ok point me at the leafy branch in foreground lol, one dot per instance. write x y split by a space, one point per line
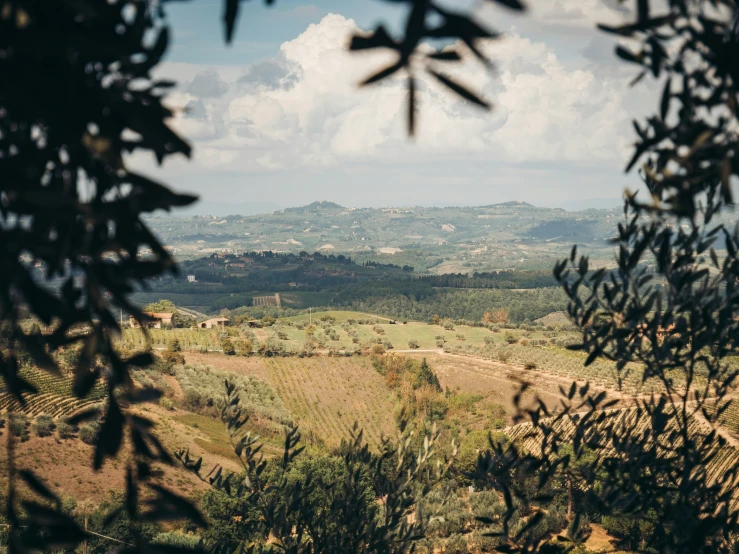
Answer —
429 21
76 97
671 305
315 514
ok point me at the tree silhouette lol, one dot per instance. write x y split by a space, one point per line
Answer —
671 305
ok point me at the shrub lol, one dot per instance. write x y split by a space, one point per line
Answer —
510 338
379 330
273 347
173 357
64 430
193 398
166 403
456 544
489 341
88 432
529 365
413 343
306 351
44 426
377 349
228 347
461 337
245 347
175 346
17 424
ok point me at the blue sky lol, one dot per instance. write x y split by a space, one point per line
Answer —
277 116
198 31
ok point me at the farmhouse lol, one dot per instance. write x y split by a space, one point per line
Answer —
213 322
157 319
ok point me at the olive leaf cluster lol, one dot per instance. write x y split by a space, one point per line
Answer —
427 22
670 305
76 97
688 148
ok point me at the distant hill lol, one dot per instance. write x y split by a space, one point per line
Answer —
322 205
453 239
511 204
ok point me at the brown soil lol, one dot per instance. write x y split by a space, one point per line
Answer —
66 465
327 395
600 541
496 382
234 364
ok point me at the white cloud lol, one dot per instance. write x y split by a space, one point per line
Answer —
302 108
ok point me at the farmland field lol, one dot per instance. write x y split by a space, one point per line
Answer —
324 395
327 395
190 339
55 396
339 315
568 365
497 383
398 334
338 334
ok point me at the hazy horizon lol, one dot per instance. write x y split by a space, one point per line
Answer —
220 209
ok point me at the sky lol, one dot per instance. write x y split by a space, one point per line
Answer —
277 117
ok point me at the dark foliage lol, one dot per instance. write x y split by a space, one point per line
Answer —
656 462
76 95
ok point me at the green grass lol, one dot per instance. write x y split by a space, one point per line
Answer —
217 442
398 334
426 335
217 438
339 315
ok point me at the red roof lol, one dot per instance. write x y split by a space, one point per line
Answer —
159 315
